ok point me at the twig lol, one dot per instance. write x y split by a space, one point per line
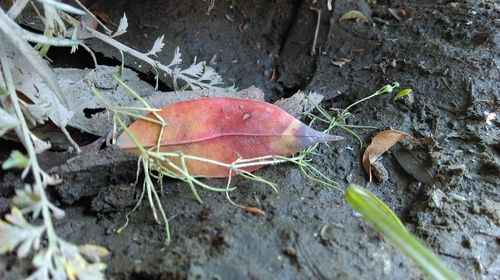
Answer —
89 13
316 31
16 8
210 7
24 135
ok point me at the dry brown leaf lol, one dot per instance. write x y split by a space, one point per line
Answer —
256 211
103 16
382 142
354 15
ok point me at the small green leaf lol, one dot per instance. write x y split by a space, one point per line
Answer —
157 46
402 93
4 91
92 252
387 88
28 201
16 232
122 27
16 160
386 222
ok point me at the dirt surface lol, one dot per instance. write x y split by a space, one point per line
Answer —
447 52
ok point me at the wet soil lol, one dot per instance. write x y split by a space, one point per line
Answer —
447 52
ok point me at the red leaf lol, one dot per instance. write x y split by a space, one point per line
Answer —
224 129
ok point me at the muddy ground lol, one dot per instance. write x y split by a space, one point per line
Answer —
447 52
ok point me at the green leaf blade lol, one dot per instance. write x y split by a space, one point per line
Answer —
403 93
386 222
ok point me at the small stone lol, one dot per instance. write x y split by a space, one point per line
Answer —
436 199
491 208
290 251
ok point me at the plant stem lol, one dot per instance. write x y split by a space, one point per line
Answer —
153 63
25 136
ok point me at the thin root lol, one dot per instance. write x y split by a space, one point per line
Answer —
316 30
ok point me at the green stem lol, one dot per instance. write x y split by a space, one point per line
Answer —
138 97
124 108
137 116
153 63
119 120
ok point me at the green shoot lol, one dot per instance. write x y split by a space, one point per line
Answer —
333 122
339 120
402 93
381 217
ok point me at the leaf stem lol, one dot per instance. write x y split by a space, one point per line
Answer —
153 63
24 133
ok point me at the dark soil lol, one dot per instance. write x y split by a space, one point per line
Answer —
447 52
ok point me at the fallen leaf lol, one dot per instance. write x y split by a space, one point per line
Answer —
256 211
103 16
344 59
382 142
81 33
224 130
418 164
353 15
300 103
30 72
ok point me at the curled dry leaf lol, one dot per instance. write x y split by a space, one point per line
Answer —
224 130
353 15
382 142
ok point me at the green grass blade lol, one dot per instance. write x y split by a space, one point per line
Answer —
387 223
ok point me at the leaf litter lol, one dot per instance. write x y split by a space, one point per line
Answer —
353 15
381 143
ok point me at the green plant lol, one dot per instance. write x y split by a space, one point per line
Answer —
59 257
381 217
20 62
